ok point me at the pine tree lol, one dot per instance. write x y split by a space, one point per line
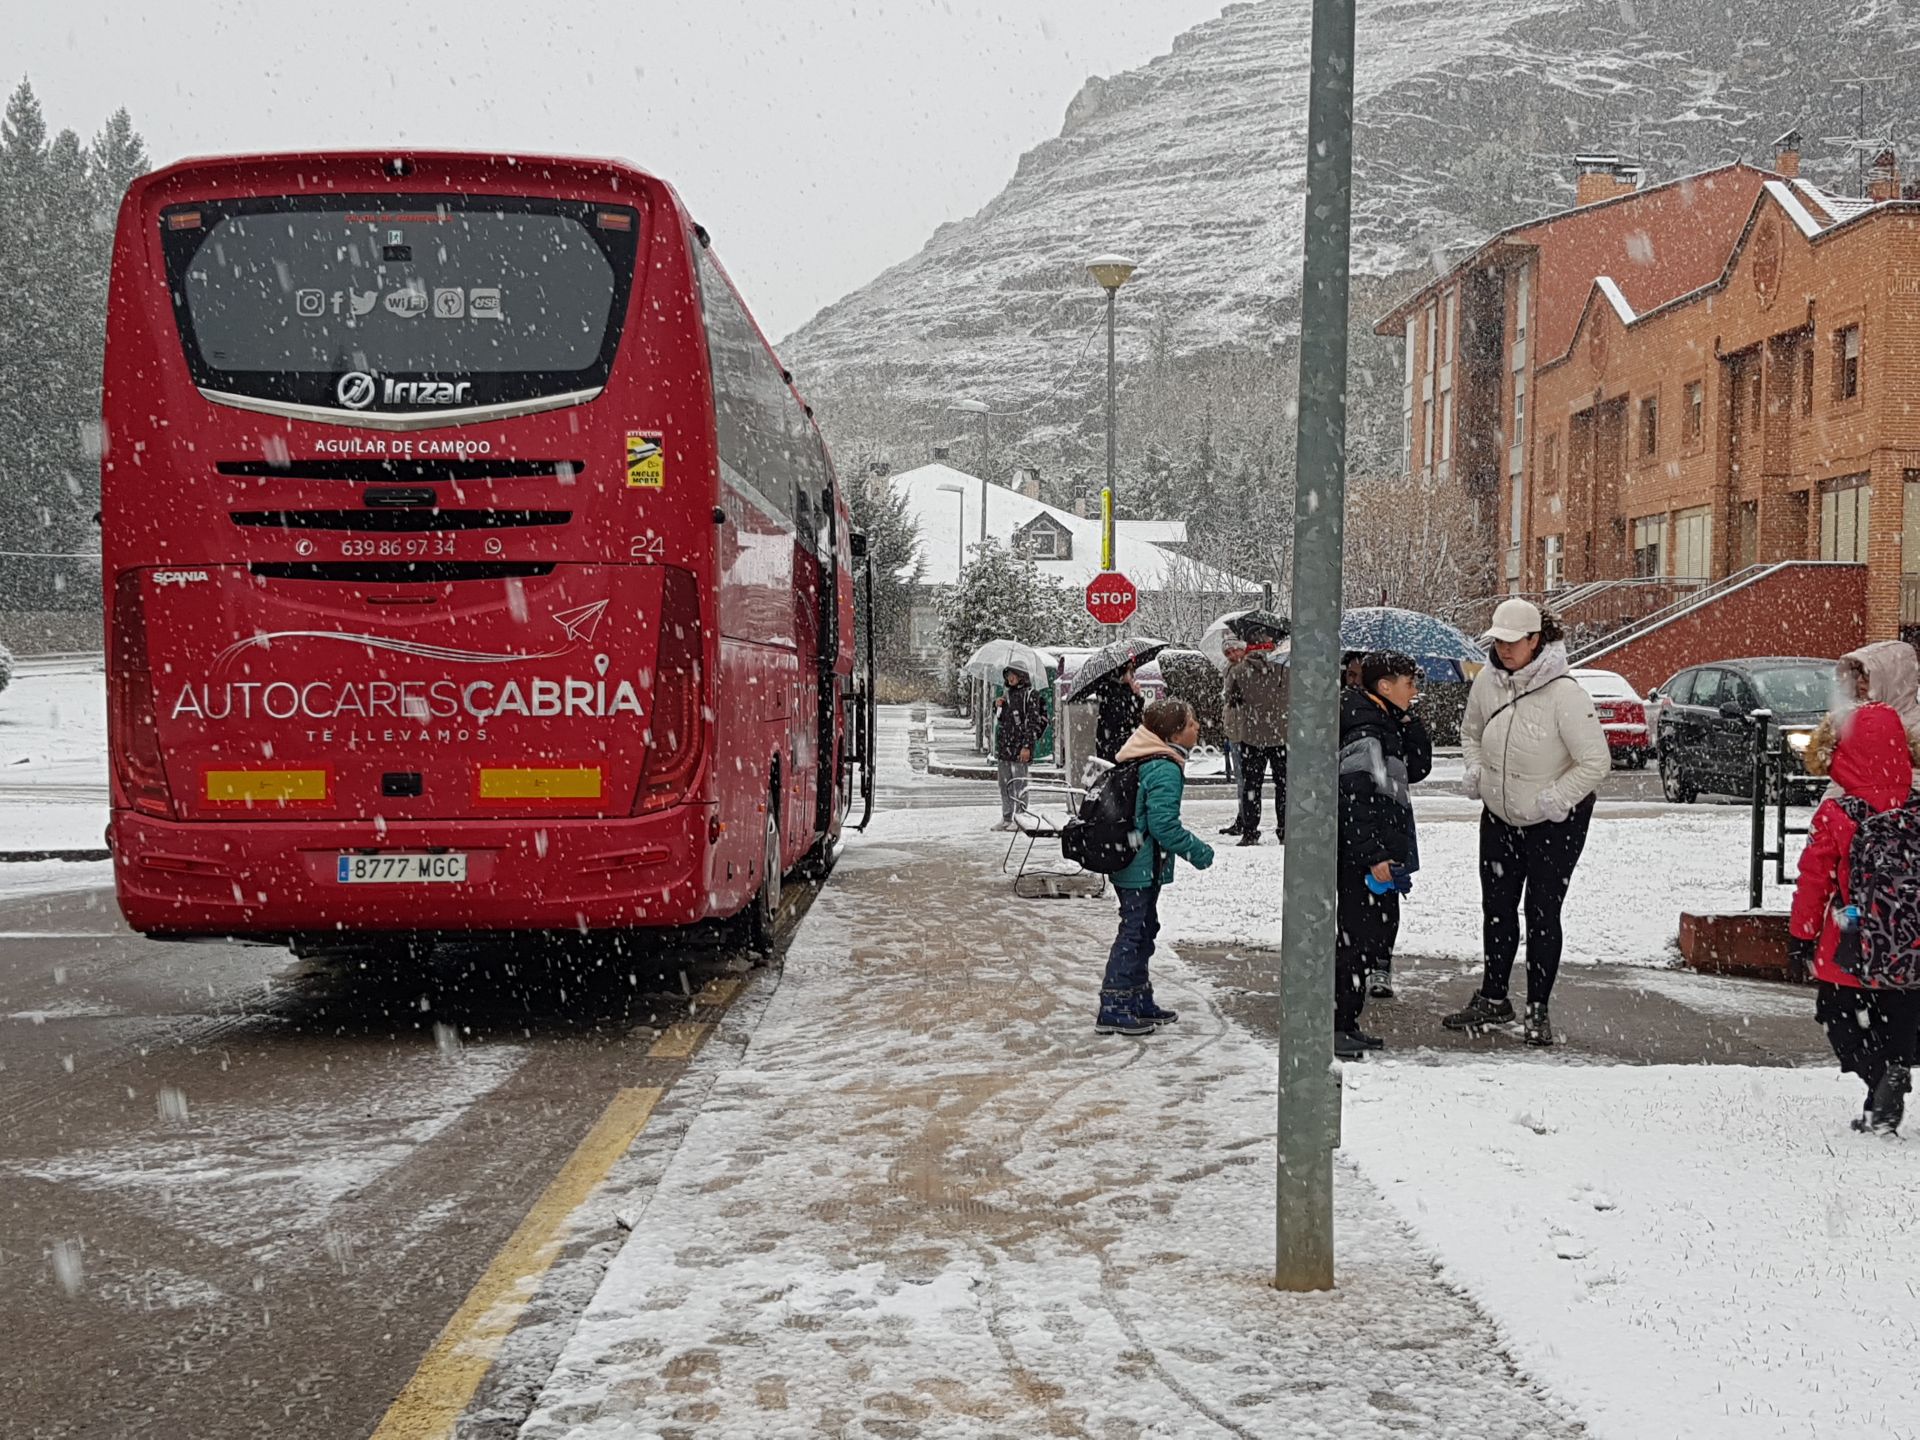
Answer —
59 198
1000 595
893 539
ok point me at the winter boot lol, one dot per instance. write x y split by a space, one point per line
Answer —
1147 1009
1380 985
1351 1045
1480 1012
1233 829
1890 1099
1539 1029
1252 837
1120 1014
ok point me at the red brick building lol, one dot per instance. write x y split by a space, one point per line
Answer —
1683 381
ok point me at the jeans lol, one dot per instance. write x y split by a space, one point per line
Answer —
1013 787
1535 862
1254 760
1126 979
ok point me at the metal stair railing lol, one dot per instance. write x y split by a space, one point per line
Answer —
1706 595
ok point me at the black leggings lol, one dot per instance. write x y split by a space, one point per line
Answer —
1535 861
1870 1029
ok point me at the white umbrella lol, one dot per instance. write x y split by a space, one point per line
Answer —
997 655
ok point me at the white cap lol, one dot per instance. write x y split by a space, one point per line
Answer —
1513 620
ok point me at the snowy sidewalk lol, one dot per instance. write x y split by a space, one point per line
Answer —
932 1203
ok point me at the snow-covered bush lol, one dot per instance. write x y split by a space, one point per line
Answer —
6 666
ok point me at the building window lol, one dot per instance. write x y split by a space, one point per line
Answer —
1693 543
1520 417
1846 358
1696 413
1447 324
1650 545
1753 396
1806 377
1517 529
1650 426
1552 561
1043 544
1748 536
1521 306
1550 461
1426 434
1446 426
1845 508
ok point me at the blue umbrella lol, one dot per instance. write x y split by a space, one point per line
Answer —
1424 637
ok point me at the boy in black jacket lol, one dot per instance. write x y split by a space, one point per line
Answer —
1384 748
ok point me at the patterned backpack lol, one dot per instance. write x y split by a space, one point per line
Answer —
1883 883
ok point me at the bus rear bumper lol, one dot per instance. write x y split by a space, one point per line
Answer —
282 878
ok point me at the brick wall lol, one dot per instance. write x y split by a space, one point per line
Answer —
1806 609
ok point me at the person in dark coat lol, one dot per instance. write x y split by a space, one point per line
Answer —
1255 698
1020 722
1121 703
1384 749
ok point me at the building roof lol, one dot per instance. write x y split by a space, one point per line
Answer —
1809 209
938 514
1655 244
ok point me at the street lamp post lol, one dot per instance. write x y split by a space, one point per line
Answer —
984 411
1111 271
1309 1089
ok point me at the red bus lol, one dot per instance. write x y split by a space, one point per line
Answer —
471 563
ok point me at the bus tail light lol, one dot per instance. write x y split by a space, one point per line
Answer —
136 722
674 735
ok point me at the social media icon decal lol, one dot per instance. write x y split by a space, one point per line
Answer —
483 302
407 303
310 302
450 304
362 303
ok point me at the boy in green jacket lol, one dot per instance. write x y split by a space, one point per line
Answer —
1168 730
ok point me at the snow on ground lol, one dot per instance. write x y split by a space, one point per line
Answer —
1638 872
1700 1252
929 1201
53 760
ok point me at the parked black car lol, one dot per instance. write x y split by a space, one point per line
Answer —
1705 738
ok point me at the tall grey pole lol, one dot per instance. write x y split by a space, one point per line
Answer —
1106 535
984 415
1309 1104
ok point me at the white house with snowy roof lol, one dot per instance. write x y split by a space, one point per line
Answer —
1177 593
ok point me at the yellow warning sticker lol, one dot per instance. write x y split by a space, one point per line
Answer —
646 459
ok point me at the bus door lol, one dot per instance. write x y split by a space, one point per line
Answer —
826 545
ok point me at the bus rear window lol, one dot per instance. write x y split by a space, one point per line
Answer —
384 303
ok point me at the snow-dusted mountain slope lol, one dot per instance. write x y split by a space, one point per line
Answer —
1468 112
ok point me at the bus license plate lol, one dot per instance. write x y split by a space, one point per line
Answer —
402 869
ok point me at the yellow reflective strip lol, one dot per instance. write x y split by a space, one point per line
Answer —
266 785
573 784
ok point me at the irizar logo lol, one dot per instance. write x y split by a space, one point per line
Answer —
357 390
426 392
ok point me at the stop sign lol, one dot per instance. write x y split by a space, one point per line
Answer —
1110 598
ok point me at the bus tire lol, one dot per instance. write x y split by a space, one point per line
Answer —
763 911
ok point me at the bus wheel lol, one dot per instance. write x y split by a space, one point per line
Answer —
764 909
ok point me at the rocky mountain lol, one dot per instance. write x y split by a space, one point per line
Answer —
1467 114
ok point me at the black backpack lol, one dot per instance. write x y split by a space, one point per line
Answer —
1103 837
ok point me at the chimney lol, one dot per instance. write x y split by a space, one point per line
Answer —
1083 506
1027 482
1604 177
1786 155
940 453
1883 177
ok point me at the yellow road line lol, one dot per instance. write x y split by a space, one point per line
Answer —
678 1040
444 1385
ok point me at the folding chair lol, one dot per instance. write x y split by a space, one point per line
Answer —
1031 825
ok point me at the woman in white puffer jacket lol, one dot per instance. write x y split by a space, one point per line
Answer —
1535 755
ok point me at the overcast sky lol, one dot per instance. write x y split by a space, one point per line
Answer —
820 143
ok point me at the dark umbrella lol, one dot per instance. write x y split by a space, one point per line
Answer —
1111 660
1424 637
1241 625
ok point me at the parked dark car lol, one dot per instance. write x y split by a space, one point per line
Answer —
1705 739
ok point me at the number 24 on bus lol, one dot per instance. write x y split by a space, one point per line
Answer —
1111 598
